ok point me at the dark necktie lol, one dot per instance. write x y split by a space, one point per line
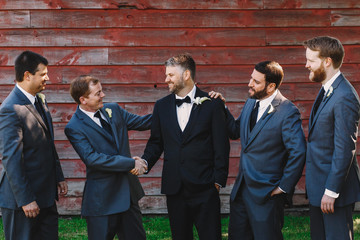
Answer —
179 102
254 114
317 102
39 108
105 125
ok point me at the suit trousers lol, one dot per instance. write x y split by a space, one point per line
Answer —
250 220
126 225
338 225
18 227
201 209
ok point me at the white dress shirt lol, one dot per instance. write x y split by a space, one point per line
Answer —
264 104
183 112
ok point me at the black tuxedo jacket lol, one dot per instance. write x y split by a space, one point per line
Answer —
198 157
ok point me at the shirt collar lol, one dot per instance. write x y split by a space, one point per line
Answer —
191 94
265 102
328 84
28 95
90 114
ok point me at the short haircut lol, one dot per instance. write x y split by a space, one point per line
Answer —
79 87
28 61
185 61
273 72
327 47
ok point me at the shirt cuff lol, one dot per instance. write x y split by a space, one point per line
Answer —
281 190
218 185
331 193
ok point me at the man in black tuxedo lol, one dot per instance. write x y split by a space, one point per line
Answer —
190 129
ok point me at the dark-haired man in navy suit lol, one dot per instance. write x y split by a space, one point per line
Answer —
272 157
332 171
190 129
32 171
99 134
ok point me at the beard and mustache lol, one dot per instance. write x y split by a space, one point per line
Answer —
319 75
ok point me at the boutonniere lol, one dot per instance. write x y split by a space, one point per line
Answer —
200 100
330 91
272 109
109 112
42 97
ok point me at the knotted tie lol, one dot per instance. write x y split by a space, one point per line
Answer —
40 109
179 102
105 125
254 114
317 102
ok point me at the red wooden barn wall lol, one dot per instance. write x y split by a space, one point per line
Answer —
126 43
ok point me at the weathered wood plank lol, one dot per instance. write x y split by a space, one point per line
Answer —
14 19
59 56
130 4
296 36
345 18
132 37
185 4
179 18
205 74
157 56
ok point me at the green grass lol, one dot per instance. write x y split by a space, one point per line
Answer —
157 228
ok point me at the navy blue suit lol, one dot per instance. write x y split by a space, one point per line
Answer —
110 188
272 155
331 154
31 165
194 160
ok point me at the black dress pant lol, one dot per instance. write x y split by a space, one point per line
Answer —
201 209
18 227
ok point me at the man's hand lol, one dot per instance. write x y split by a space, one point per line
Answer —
217 187
31 210
214 94
62 188
140 166
276 191
327 204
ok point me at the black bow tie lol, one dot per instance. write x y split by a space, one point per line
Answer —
179 102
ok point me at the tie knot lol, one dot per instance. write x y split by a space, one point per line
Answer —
257 104
179 102
97 114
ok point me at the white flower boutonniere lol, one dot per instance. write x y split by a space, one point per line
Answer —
330 91
109 112
200 100
42 97
271 109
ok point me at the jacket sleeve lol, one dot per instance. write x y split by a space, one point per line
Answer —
11 149
155 145
346 117
93 159
221 143
295 144
136 122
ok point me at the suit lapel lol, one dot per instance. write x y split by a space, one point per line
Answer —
193 114
173 116
48 118
269 112
323 103
89 122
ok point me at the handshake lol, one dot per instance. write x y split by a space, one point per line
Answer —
140 166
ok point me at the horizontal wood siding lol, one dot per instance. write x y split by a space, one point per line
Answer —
126 43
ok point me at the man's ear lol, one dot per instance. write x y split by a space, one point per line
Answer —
186 75
328 62
26 76
82 100
271 87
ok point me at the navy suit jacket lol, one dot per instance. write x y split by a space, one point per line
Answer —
196 158
331 153
273 153
109 186
31 165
